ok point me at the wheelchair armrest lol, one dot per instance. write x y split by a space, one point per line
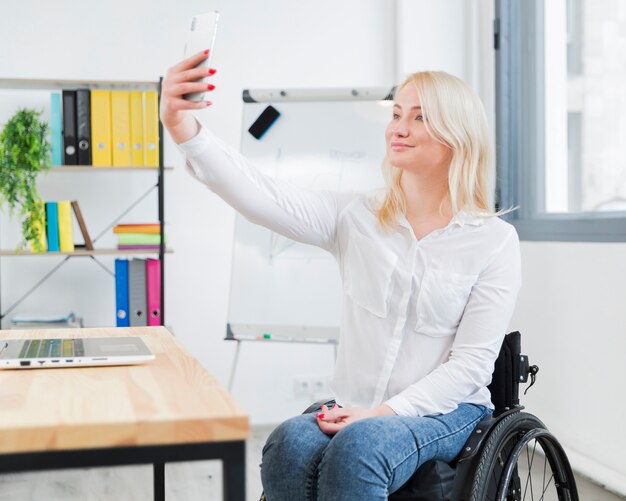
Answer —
475 441
317 405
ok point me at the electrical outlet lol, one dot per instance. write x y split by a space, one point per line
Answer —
319 387
302 387
310 387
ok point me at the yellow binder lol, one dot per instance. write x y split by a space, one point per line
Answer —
120 127
41 230
101 128
136 129
66 238
151 127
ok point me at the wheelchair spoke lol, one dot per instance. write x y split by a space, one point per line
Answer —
546 487
545 464
530 469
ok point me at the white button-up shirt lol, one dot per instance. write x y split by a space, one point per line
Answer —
422 320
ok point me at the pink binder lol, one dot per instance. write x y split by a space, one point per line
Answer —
153 284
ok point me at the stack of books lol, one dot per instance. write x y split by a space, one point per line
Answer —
46 322
56 234
138 236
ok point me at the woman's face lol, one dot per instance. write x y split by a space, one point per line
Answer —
409 145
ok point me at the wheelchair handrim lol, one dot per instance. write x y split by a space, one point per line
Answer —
555 455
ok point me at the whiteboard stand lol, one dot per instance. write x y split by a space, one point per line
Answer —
276 334
323 139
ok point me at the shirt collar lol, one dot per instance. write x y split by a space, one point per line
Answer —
463 218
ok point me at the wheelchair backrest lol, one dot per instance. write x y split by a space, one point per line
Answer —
504 386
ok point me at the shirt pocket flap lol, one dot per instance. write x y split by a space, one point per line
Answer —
442 299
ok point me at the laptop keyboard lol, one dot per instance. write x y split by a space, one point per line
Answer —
51 348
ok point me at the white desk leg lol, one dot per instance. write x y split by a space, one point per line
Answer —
232 371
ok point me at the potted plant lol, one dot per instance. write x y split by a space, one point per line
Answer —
24 153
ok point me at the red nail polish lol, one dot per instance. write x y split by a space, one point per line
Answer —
211 87
206 52
212 71
320 416
209 103
334 405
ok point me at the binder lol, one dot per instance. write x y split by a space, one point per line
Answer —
153 282
121 293
40 227
56 129
83 126
52 226
66 239
136 129
82 225
101 128
120 127
151 128
137 302
69 128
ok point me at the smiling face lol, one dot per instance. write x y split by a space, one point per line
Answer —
409 145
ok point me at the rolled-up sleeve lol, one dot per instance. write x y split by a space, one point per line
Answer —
305 215
477 341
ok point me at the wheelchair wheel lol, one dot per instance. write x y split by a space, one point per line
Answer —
522 460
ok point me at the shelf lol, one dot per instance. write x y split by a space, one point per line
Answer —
83 252
90 168
60 84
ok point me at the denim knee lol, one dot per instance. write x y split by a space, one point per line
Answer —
295 441
361 443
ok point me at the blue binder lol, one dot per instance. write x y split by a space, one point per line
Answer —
121 292
52 226
56 129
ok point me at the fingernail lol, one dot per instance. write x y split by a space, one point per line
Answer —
209 103
212 71
320 416
211 87
334 405
206 52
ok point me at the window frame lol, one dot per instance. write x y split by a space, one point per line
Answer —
520 133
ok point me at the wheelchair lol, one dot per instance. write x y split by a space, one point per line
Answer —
510 456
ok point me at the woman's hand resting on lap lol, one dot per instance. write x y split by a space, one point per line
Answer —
337 418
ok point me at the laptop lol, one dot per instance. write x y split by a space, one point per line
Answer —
84 352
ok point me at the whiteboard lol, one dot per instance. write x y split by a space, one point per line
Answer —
284 288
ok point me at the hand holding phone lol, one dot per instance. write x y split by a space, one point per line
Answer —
201 36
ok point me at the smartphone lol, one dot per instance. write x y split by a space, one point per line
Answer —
201 36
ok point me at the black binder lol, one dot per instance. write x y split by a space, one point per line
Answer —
70 156
83 126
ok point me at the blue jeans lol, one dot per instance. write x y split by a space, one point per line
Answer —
368 459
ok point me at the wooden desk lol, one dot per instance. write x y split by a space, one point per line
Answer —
167 410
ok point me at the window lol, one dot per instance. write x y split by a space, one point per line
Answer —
561 117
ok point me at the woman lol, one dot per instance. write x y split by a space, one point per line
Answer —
430 278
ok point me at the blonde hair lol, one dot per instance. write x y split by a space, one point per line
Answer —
455 116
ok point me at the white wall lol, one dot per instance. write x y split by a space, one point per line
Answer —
571 315
571 306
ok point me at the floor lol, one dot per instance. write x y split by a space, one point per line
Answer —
198 481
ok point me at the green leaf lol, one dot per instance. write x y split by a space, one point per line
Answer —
24 154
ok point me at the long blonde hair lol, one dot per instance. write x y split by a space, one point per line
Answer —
455 116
